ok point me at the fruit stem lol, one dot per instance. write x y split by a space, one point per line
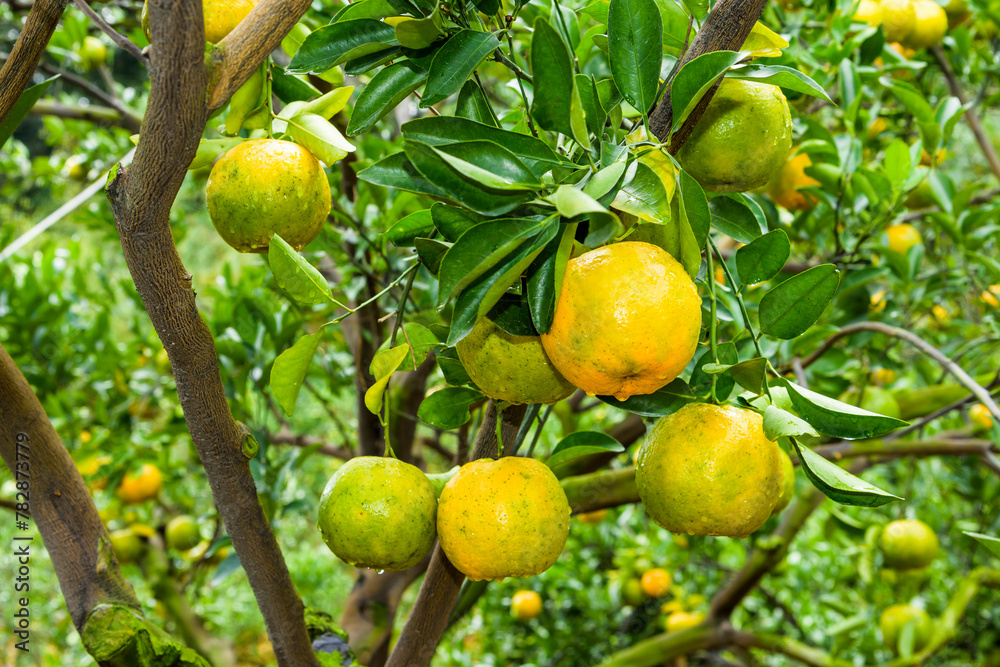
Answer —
538 431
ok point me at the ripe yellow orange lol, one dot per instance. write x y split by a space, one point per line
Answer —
895 618
940 314
742 139
222 16
930 26
682 620
504 518
870 12
264 187
980 416
655 583
784 187
877 127
709 470
883 376
989 296
511 368
877 302
670 607
526 605
902 237
898 19
788 486
142 486
627 320
908 544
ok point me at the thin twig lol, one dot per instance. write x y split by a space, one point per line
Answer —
121 40
91 90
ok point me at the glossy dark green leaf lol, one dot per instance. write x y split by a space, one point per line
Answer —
734 219
365 9
451 367
406 230
420 339
790 308
473 105
545 278
488 7
594 114
553 73
420 33
695 220
431 252
911 98
448 408
762 258
643 195
779 75
368 62
635 46
452 221
457 185
290 88
701 379
695 78
480 249
337 43
513 314
582 443
837 419
397 172
386 89
441 130
289 371
839 485
664 401
454 63
22 107
489 164
483 293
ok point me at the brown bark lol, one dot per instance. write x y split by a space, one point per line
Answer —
141 197
725 29
20 64
439 591
60 505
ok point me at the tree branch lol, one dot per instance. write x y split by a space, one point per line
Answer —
121 40
93 91
244 49
20 64
92 114
772 643
439 591
971 117
141 197
726 27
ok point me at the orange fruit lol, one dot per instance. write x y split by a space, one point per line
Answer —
902 237
264 187
896 617
526 605
183 533
989 296
682 620
980 416
142 486
655 583
627 320
868 11
908 544
788 487
930 26
784 187
222 16
898 19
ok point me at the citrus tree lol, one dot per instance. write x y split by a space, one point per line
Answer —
721 272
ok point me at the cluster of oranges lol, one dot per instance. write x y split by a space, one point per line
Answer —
907 545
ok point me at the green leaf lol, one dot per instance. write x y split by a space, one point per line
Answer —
734 219
383 366
749 374
839 420
320 137
368 62
337 43
571 202
484 292
695 78
763 258
448 408
605 180
779 75
473 105
643 195
300 279
838 484
420 340
398 173
545 278
454 63
553 73
513 314
912 99
489 164
431 253
289 371
291 87
635 46
383 93
790 308
420 33
478 250
579 444
210 149
22 107
442 130
781 423
453 221
405 231
694 222
897 164
664 401
991 543
458 185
